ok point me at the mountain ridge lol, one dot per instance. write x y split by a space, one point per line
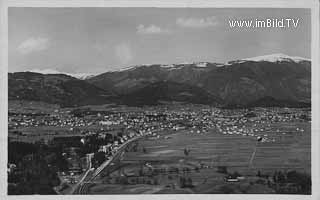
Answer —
54 88
240 82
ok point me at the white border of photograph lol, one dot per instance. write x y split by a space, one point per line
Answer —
312 4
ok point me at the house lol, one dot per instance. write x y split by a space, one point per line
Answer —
231 178
105 148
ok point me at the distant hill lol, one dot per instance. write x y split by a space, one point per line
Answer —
238 82
55 88
271 80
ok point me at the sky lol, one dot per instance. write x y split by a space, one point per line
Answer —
96 40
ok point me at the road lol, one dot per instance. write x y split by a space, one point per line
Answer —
83 186
82 179
253 154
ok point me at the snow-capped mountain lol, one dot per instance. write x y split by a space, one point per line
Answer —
165 66
279 57
276 58
81 76
238 82
262 80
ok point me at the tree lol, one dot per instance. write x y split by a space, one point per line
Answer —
123 180
189 182
186 151
222 169
119 134
155 181
36 178
302 181
274 177
281 177
98 158
292 182
236 174
227 189
259 173
144 150
182 182
140 172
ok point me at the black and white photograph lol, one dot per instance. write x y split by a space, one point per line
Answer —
160 100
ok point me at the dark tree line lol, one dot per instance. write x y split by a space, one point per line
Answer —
37 167
292 182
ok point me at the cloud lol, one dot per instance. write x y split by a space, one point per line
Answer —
33 44
197 22
152 29
123 53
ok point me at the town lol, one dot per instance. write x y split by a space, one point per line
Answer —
72 144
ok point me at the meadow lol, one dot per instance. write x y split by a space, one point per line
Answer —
287 149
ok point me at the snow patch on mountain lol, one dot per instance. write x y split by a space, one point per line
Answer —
279 57
276 58
201 64
81 76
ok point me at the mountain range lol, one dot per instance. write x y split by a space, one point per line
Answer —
271 80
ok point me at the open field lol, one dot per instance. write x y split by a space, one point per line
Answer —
290 150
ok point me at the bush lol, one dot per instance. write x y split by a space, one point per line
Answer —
98 158
185 182
260 181
222 169
236 174
189 182
123 180
227 189
155 181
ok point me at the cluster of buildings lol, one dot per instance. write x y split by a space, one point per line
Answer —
111 129
261 123
151 119
39 120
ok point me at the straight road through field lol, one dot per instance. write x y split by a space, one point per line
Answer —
253 155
